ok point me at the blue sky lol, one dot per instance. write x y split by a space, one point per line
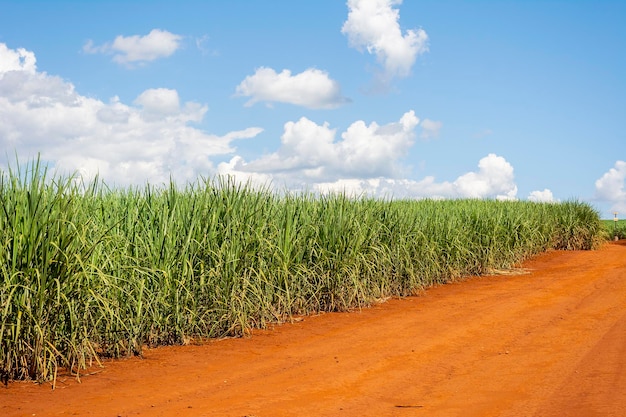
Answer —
442 99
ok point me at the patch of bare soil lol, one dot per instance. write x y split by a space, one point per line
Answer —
550 342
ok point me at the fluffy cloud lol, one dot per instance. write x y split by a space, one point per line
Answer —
128 50
544 196
374 25
366 160
373 150
311 88
494 179
611 187
153 139
16 60
148 140
309 153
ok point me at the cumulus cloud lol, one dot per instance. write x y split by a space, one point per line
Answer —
150 139
544 196
16 60
611 187
153 139
373 25
373 150
311 88
494 179
310 153
367 159
136 49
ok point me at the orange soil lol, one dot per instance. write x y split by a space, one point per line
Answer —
548 343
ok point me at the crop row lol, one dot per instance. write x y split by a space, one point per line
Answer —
87 271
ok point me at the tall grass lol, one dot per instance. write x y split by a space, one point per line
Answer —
614 228
88 272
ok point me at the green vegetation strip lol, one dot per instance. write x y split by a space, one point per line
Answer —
88 272
615 228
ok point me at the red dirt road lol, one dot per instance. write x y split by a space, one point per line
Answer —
548 343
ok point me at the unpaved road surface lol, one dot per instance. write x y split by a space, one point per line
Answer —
548 343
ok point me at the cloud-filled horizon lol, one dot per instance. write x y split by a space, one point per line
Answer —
288 135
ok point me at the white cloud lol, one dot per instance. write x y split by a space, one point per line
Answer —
237 169
366 160
16 60
374 25
430 129
128 50
311 88
309 152
148 140
611 187
159 100
373 150
544 196
493 179
152 139
351 186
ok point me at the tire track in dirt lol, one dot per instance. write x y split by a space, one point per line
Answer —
548 343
